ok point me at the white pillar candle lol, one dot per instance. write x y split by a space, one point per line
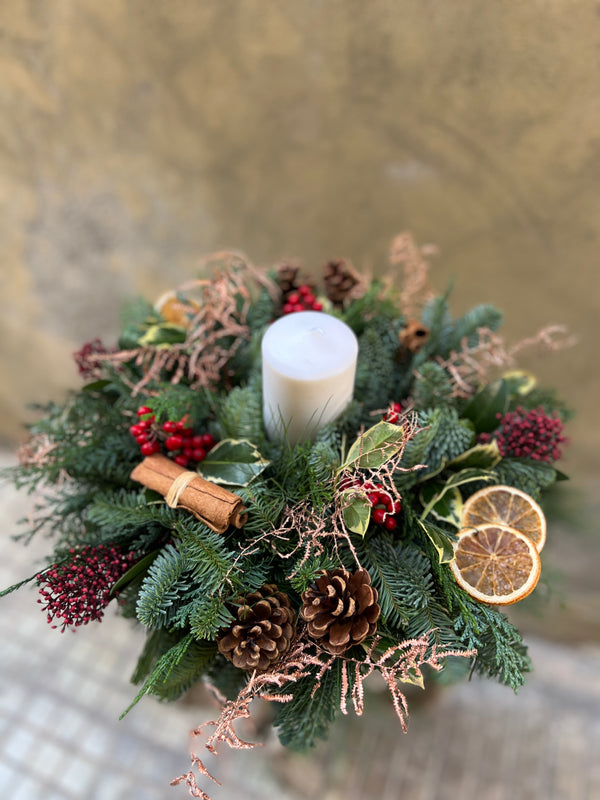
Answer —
308 368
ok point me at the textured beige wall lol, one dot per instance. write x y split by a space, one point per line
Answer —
136 135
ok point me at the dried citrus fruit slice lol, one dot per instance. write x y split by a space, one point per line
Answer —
506 505
495 564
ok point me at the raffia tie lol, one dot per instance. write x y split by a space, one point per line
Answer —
178 486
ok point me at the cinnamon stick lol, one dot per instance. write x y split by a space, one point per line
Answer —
214 505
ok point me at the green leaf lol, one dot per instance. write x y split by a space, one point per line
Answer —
234 462
375 446
134 571
441 540
96 386
357 515
447 503
484 407
483 456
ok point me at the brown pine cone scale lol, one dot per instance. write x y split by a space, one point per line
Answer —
262 631
341 609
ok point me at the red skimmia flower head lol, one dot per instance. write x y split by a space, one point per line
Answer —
79 590
528 434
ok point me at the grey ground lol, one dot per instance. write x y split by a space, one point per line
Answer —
60 737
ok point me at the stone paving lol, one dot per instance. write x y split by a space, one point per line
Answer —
61 739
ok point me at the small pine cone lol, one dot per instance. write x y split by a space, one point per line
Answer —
413 336
341 609
263 629
341 280
287 278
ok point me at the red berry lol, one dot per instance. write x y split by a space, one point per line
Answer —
187 451
309 299
317 306
298 307
207 441
181 460
198 440
373 498
393 413
141 438
390 523
288 308
174 441
136 430
169 426
379 515
143 410
144 424
149 448
305 289
187 433
293 299
198 454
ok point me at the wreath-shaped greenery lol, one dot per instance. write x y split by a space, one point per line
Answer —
357 525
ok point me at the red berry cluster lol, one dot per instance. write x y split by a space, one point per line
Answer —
385 508
78 592
393 413
528 434
182 444
301 300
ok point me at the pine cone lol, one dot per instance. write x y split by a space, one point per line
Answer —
263 629
287 278
340 279
413 336
341 609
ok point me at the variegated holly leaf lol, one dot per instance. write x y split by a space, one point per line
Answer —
375 446
481 456
441 540
162 335
450 486
447 503
233 462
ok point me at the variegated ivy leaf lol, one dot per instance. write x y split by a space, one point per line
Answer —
357 513
375 446
447 503
233 462
441 540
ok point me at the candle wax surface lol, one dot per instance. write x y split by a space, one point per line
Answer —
309 363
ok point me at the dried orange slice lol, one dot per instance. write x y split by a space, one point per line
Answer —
495 564
506 505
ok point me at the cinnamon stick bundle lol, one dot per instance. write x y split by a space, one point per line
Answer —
215 506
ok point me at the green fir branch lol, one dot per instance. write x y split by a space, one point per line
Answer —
307 716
